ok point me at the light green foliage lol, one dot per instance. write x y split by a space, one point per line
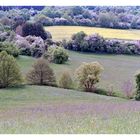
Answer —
108 20
41 74
57 55
137 96
9 71
65 80
10 48
88 74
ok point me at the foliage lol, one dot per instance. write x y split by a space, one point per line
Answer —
46 21
127 88
9 71
56 54
30 45
35 29
65 80
108 20
1 27
61 21
106 16
97 44
77 10
10 48
4 36
88 74
41 74
137 96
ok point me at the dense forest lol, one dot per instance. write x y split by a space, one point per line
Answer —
109 17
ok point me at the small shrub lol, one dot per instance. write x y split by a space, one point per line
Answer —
110 91
137 96
41 74
88 74
56 55
65 80
127 88
9 71
10 48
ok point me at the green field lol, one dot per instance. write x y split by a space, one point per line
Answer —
34 109
40 109
117 68
65 32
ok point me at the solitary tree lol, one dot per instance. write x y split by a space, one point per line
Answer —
41 74
88 74
10 74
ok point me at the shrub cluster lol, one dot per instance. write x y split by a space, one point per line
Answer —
97 44
10 48
56 54
35 29
30 45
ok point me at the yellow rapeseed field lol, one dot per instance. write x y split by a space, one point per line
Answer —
65 32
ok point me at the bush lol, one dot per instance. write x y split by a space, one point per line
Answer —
56 55
88 74
61 21
10 48
1 27
5 21
65 80
127 89
108 20
41 74
77 10
37 46
95 43
84 22
4 36
9 71
30 45
35 29
46 21
137 96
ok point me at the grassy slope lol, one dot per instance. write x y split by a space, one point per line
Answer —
34 109
117 68
61 32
